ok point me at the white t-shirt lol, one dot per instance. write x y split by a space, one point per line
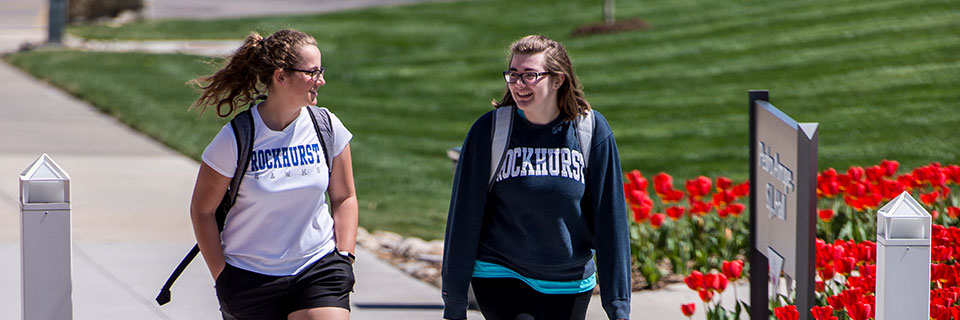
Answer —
280 223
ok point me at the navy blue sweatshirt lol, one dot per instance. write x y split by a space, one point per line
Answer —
545 215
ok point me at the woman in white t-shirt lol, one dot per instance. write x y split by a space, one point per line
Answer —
283 254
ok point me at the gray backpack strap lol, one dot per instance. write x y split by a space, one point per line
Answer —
585 134
243 131
502 128
324 128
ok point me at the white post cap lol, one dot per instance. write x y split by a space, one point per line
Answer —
44 182
903 222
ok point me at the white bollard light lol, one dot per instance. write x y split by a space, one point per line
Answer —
45 242
903 260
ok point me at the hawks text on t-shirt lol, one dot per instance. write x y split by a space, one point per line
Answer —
285 157
554 162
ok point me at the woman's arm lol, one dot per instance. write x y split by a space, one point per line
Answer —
207 194
611 228
343 201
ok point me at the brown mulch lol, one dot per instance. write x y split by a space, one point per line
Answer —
604 28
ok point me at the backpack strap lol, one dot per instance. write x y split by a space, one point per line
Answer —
585 124
243 131
324 128
500 133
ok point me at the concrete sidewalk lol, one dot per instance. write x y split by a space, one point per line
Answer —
131 197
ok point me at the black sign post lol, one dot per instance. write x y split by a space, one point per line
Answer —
783 193
57 21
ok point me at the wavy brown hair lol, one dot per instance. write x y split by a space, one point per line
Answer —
570 96
248 71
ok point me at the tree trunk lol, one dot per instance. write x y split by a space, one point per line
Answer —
608 12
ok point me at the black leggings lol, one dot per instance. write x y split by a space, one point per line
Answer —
513 299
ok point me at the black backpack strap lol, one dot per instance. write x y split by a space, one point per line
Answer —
243 131
324 128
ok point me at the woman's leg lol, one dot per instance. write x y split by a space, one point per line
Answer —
325 313
322 291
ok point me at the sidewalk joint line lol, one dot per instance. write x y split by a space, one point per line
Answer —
149 303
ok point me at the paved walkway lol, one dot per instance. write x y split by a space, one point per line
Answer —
131 197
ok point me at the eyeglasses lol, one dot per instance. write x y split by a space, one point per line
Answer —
528 77
314 74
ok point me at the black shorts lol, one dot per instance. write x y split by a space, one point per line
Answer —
249 295
513 299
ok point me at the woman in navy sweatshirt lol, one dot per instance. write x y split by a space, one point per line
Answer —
524 228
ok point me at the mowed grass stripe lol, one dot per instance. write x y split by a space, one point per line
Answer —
879 77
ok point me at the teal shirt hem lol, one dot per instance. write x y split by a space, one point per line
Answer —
483 269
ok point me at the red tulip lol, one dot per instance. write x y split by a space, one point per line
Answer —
939 312
694 281
859 311
835 301
715 282
953 212
786 313
733 269
940 253
857 189
830 173
742 190
889 167
698 187
850 297
735 209
636 196
722 198
953 172
937 178
823 313
874 173
656 220
825 214
637 180
699 207
662 183
856 173
706 295
688 309
673 196
724 183
828 187
675 212
827 272
819 286
908 181
929 198
640 213
845 265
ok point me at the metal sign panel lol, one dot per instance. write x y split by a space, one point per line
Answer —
776 203
783 178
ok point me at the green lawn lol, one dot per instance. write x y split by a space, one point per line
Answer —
881 77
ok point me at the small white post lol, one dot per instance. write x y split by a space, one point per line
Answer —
45 242
903 260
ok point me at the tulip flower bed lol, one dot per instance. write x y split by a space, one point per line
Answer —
707 216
